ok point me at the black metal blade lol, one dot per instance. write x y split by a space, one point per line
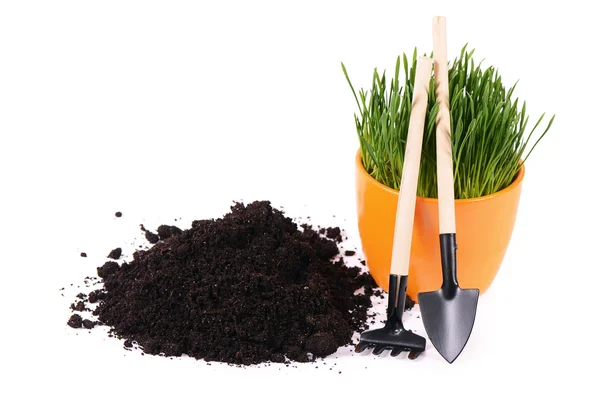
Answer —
449 319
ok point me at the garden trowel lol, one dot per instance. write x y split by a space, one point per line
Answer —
448 313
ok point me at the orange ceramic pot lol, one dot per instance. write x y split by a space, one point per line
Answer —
484 227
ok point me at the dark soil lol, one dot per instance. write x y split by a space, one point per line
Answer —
151 237
75 321
107 269
83 255
79 306
165 231
334 233
89 324
118 214
96 296
115 254
247 288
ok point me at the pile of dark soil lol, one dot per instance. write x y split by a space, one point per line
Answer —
247 288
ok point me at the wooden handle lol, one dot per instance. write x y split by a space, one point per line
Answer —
445 176
407 196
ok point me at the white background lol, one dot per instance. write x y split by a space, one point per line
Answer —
173 109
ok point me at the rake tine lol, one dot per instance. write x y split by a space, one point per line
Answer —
396 351
413 355
379 349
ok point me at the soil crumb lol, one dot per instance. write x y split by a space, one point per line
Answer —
166 231
96 296
115 254
79 306
75 321
334 233
151 237
89 324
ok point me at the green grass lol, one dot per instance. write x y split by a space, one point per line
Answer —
489 138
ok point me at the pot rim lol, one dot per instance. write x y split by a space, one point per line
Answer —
516 182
